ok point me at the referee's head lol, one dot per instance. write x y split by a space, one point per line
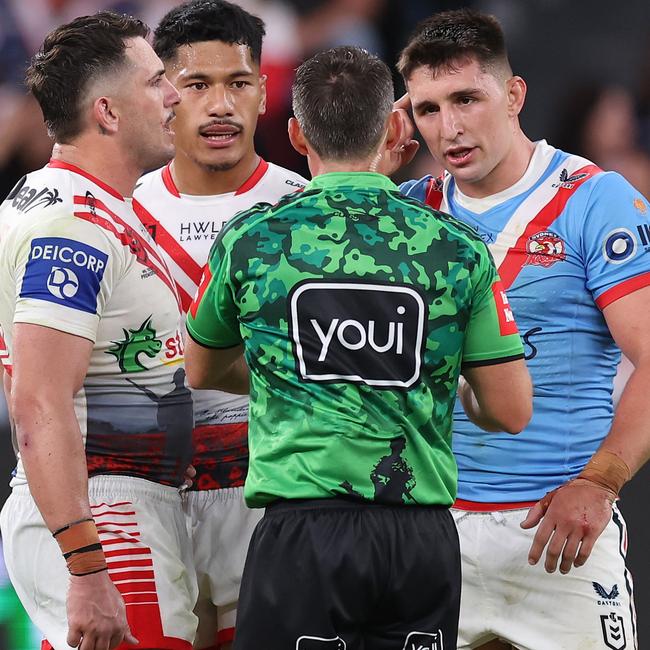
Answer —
342 102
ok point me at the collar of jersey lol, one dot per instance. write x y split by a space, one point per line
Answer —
539 162
359 180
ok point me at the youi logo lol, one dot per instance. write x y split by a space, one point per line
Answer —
64 271
361 333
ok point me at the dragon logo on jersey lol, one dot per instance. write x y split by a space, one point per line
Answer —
567 182
545 249
613 631
136 342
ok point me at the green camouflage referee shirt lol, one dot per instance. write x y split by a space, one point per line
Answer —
357 308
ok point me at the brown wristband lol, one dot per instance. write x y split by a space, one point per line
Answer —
607 470
81 548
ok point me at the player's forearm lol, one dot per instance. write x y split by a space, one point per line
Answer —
52 452
629 437
233 378
218 369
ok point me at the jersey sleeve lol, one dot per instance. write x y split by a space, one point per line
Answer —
64 269
415 189
491 336
615 239
212 317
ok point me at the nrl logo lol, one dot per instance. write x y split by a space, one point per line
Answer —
568 182
136 342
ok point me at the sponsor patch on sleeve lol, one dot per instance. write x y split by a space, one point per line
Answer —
65 272
507 324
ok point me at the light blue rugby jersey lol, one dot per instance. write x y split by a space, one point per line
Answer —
568 239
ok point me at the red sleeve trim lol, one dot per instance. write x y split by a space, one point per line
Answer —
623 289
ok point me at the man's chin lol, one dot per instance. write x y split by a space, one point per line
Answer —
223 165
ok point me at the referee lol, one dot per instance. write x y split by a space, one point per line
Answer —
351 311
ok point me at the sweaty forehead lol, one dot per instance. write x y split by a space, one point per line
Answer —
451 77
142 56
213 58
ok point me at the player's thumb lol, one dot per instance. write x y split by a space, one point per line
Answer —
129 638
74 637
533 517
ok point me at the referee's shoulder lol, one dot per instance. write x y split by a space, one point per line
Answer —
451 224
246 219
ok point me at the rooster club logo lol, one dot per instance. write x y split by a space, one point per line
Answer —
545 249
360 333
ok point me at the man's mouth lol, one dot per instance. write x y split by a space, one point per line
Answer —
220 133
458 155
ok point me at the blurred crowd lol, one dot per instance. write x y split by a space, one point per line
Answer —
606 122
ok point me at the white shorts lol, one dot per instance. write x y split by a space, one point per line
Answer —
221 526
144 537
504 597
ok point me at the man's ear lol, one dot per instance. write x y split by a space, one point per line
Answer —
516 91
262 107
105 115
297 137
396 131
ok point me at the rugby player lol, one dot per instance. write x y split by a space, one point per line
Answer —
94 535
212 50
571 244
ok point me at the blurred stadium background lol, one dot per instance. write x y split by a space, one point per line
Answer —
587 64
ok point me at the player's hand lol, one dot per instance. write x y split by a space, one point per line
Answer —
96 614
405 149
572 518
190 475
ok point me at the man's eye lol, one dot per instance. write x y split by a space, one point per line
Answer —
198 85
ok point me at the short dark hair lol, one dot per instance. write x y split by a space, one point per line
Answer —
72 56
451 36
208 20
342 99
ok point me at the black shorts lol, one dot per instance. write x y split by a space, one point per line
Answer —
332 574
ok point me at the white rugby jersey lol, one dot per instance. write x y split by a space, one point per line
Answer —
185 227
74 257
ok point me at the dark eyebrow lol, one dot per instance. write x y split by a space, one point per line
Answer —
157 74
464 92
202 76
